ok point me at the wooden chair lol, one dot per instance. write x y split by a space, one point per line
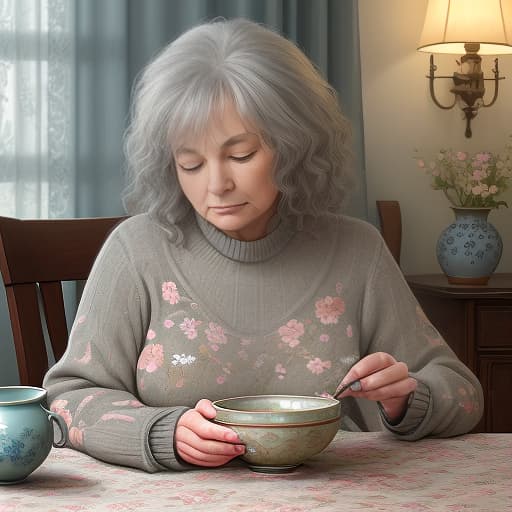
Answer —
39 255
391 226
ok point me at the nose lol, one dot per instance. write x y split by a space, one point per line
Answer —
219 178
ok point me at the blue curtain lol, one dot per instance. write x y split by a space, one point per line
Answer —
113 40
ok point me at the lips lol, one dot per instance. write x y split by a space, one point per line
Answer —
227 208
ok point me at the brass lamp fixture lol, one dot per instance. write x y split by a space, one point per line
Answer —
476 27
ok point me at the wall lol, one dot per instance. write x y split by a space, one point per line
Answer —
400 116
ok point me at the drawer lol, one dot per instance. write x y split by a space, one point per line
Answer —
494 324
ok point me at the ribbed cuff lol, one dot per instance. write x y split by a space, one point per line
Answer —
414 415
161 442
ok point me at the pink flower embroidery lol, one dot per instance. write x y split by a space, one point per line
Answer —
324 338
128 403
215 333
151 358
280 370
291 332
59 407
86 358
329 309
76 437
170 292
189 327
168 324
221 379
83 403
115 416
317 366
349 331
151 335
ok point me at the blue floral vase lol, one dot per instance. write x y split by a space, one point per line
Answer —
469 249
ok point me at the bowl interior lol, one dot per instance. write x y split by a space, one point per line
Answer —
280 403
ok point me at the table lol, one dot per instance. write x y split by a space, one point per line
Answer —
357 471
476 321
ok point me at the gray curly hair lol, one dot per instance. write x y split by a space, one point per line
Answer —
273 85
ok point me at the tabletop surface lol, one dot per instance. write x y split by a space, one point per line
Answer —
357 471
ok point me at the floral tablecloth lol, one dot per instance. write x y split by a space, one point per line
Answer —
358 471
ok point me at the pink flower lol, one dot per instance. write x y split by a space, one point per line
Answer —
483 157
479 174
170 292
324 338
291 332
280 370
81 319
461 156
168 324
215 333
115 416
493 189
151 358
317 366
221 379
189 327
329 309
128 403
421 164
86 358
76 437
151 335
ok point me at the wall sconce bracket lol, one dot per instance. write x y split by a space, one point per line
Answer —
468 86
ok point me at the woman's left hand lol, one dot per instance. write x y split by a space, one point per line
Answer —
382 379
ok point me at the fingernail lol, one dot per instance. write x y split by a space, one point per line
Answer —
240 448
356 386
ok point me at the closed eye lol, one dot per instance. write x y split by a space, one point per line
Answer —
190 169
244 158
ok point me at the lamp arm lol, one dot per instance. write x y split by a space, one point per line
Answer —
497 79
431 77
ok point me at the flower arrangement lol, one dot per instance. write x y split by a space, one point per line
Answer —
470 180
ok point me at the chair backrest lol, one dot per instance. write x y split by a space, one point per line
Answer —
391 226
41 254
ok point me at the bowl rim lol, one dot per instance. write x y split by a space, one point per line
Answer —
39 394
329 402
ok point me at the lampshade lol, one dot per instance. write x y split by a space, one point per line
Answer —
451 23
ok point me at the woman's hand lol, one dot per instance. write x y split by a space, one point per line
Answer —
382 379
203 443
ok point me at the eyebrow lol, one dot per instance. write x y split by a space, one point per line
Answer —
232 141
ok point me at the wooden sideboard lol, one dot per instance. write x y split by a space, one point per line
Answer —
476 321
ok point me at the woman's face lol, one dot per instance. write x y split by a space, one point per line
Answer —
227 177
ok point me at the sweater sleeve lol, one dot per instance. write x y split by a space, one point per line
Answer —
448 400
93 386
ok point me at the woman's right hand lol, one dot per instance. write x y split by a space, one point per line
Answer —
203 443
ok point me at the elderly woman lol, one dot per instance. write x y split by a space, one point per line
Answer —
238 274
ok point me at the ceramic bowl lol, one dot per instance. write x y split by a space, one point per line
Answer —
280 432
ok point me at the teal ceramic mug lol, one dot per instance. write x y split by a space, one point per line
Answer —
26 431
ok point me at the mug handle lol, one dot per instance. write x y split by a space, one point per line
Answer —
56 418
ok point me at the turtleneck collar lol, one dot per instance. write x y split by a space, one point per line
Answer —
248 252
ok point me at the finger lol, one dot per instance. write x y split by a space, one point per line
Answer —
207 446
396 389
206 429
389 375
206 408
368 365
188 455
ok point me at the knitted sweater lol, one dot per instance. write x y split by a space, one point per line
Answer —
161 325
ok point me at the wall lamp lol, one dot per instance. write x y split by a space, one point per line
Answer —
473 27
